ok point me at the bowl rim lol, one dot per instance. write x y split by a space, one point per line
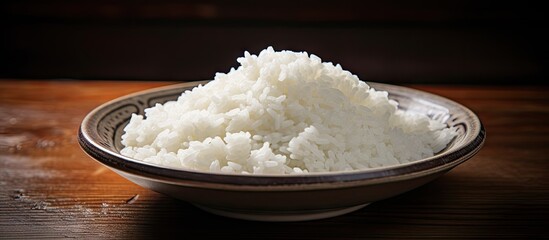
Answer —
118 162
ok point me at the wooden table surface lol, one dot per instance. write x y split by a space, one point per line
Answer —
50 189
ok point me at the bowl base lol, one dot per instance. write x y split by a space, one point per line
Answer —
281 216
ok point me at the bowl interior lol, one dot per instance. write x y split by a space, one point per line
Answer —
102 130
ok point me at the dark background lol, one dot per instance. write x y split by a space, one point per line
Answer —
468 42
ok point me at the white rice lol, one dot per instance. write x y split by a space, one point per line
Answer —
282 113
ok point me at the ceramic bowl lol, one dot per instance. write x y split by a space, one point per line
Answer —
280 197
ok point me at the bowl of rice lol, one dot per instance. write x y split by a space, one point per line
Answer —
283 137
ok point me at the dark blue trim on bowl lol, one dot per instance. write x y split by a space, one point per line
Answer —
106 152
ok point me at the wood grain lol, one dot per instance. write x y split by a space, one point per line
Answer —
50 189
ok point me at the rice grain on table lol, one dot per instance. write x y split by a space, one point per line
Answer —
282 113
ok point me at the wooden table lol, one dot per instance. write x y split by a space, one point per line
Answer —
50 189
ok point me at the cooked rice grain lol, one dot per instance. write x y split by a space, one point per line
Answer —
282 113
